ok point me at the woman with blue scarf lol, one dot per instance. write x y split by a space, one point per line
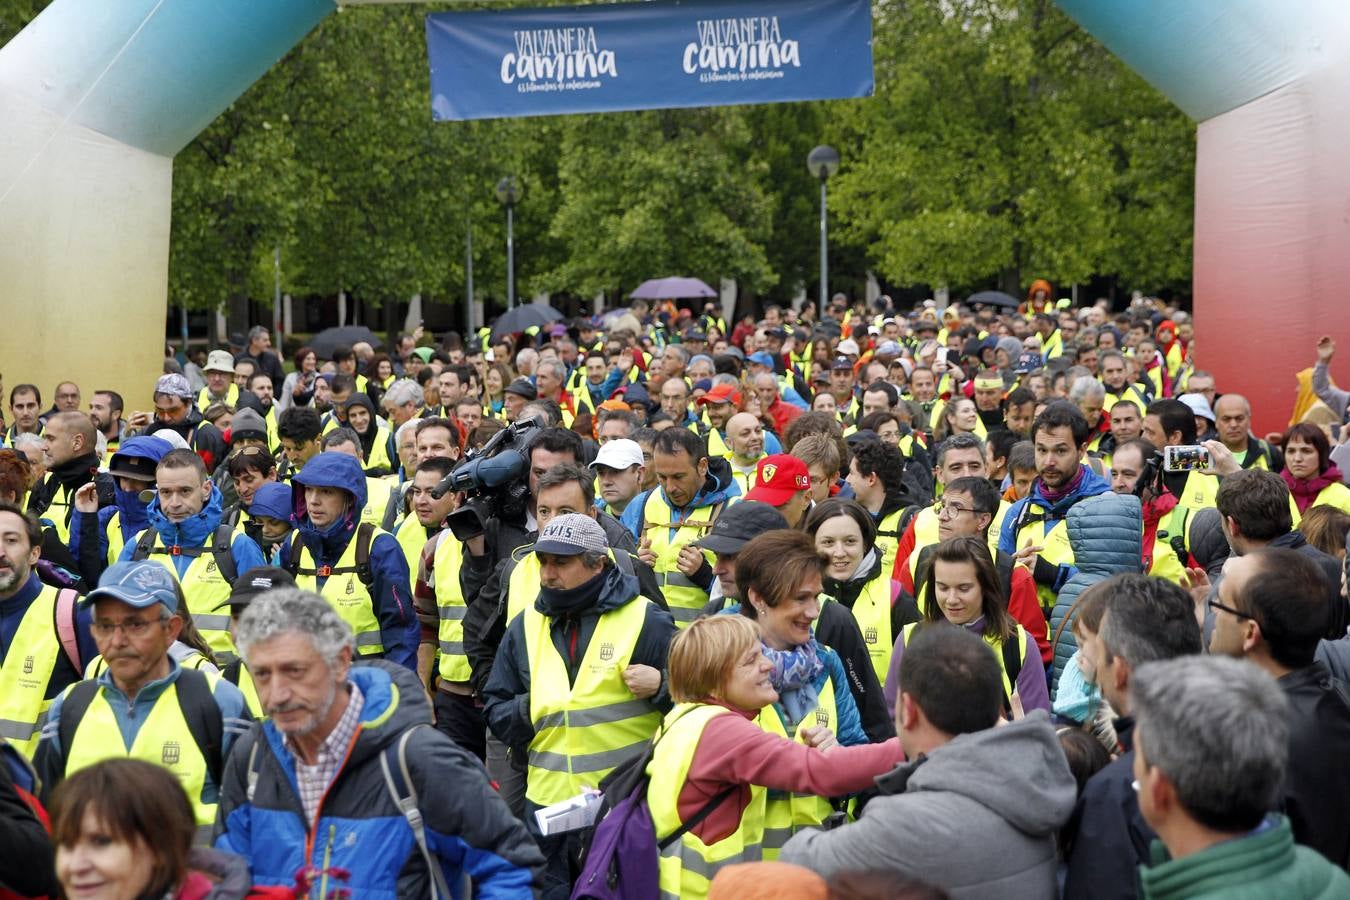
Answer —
779 574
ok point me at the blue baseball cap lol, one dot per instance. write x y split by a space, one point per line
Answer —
761 358
138 583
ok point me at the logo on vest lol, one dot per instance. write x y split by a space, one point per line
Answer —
170 753
210 565
822 717
351 585
606 652
870 636
28 665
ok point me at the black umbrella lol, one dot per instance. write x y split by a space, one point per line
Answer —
326 341
530 315
994 298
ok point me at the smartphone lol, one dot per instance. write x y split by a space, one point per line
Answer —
1187 458
942 355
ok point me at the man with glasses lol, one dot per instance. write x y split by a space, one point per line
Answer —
144 705
959 456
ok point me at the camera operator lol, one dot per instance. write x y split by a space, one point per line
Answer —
492 559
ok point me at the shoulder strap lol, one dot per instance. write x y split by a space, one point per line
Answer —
697 817
623 562
398 779
391 509
65 626
365 534
220 549
231 671
1003 563
204 719
144 544
253 766
73 709
292 561
1012 656
906 517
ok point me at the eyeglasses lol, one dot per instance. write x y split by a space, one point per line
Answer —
952 510
132 628
1215 604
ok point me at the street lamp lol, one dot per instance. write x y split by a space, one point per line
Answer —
823 162
508 193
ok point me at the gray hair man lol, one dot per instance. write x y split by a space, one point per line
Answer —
342 752
1146 620
1210 760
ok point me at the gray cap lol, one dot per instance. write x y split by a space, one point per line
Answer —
571 534
174 386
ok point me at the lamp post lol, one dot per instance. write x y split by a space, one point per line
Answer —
508 193
823 162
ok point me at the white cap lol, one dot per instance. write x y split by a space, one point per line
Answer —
1199 405
848 347
620 453
219 361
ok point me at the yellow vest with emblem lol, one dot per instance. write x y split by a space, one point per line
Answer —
1200 491
995 645
685 599
688 865
204 400
786 814
452 663
164 739
1053 537
889 533
584 729
344 590
27 671
872 610
204 588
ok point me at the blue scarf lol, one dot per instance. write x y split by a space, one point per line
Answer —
793 677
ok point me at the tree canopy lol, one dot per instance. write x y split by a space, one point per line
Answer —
1003 143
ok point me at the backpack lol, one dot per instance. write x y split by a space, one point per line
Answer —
622 855
221 540
365 534
64 614
195 699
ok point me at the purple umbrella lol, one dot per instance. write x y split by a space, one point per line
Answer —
672 289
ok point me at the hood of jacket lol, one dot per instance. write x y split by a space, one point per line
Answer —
718 487
1107 534
368 438
335 470
617 588
225 876
1208 544
392 702
194 531
1091 485
1017 771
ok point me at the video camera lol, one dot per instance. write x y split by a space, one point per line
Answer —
493 478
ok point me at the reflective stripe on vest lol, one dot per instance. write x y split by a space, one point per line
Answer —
583 730
347 594
163 739
685 599
688 865
206 592
995 646
453 664
786 814
27 671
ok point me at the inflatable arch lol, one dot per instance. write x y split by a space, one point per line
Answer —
97 97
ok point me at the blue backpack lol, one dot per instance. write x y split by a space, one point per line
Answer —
622 857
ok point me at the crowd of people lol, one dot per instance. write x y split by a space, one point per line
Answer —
971 602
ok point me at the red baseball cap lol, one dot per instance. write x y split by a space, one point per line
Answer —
780 476
722 393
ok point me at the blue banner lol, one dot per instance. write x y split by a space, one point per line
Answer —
655 55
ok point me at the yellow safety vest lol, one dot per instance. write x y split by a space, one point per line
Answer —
872 610
888 539
717 445
1130 393
58 512
412 538
377 500
249 690
345 591
786 814
164 739
115 540
453 663
688 865
1200 492
1053 347
746 480
523 585
583 730
1053 536
27 672
194 660
1337 495
995 645
685 599
379 452
205 590
231 397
